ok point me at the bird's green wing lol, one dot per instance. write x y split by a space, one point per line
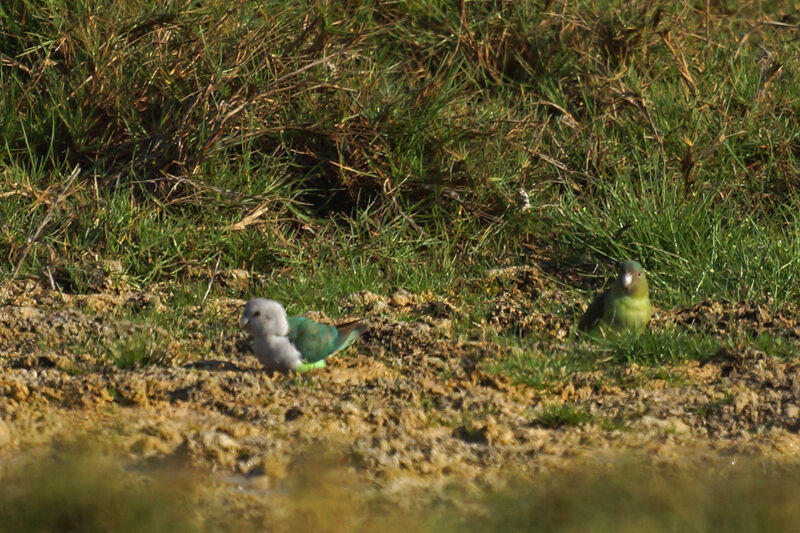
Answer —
594 313
313 340
317 341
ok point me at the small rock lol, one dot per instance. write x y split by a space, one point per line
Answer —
235 278
112 266
522 199
366 300
27 313
292 413
363 298
148 446
218 440
401 298
17 390
744 399
472 434
133 390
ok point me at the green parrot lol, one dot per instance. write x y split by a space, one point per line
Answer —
623 307
296 343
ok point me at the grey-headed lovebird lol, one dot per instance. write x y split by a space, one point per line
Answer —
296 343
623 307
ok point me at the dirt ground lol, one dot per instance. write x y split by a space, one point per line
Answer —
409 405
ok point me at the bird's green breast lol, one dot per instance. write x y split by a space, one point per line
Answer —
627 312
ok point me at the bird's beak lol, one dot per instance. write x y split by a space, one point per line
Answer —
627 279
243 321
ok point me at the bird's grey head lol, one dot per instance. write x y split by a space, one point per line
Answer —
262 317
632 277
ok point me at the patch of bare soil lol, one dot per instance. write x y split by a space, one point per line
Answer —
749 316
410 404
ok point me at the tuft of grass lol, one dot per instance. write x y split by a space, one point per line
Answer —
571 414
539 368
653 348
542 363
705 409
139 349
645 375
566 414
692 248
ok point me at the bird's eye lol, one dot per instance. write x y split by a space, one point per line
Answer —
257 313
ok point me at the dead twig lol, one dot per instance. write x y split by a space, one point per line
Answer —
680 59
251 218
211 281
388 190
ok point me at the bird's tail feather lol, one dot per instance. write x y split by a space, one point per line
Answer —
348 332
348 327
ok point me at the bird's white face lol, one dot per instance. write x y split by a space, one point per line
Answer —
627 279
262 317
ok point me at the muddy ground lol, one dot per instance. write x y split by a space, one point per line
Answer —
410 405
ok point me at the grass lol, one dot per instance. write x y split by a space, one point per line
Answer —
569 414
347 147
557 415
540 363
139 349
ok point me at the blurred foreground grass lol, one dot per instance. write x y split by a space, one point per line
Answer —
82 491
91 493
